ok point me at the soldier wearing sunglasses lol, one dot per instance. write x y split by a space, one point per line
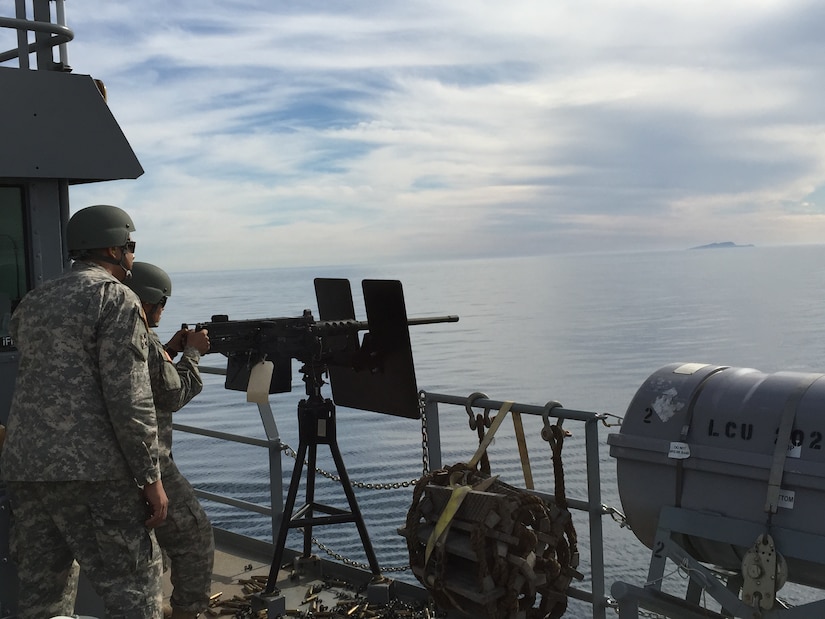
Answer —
80 460
186 536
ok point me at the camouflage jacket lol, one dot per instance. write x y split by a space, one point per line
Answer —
173 385
82 405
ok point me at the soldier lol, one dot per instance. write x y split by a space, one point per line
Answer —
186 536
81 452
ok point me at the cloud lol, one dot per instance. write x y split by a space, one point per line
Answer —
307 133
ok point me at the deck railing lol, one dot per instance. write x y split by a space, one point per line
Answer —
431 405
592 505
272 444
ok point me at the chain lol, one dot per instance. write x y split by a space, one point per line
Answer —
425 445
358 484
345 560
370 486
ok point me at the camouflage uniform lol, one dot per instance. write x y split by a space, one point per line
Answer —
81 438
186 535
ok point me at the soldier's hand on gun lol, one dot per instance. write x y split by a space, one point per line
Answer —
158 502
198 339
178 341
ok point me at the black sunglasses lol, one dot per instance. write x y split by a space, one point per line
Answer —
130 246
162 301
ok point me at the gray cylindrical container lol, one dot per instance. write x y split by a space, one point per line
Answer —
703 437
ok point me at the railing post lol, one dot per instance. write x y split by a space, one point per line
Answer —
45 58
594 499
22 36
276 491
433 432
63 49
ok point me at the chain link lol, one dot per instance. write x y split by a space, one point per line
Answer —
425 445
371 486
345 560
358 484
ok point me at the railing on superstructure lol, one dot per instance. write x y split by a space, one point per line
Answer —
592 505
50 32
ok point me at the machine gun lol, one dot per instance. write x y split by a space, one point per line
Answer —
375 373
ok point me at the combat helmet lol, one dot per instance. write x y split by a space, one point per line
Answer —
150 283
98 226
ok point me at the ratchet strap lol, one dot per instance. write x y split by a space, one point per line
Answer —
460 491
783 438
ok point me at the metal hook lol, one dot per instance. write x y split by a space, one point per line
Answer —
468 406
547 431
607 424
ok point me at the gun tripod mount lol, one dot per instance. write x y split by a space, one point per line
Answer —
376 374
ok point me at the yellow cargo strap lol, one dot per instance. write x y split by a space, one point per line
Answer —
488 438
522 451
522 443
460 491
450 509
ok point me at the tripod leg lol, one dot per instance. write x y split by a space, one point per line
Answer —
285 519
353 505
313 458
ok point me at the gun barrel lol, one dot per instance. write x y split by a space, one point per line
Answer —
431 320
338 327
286 334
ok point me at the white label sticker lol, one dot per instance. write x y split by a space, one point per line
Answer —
689 368
664 406
679 451
786 498
259 378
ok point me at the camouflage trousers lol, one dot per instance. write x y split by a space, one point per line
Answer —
186 539
99 524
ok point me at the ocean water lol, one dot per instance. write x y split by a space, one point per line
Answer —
585 330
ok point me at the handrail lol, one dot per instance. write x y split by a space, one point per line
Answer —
274 448
222 436
275 510
60 35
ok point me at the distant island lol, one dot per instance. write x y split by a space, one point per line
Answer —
724 245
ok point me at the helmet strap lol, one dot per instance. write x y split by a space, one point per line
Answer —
109 260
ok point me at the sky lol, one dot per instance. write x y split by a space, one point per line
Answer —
308 133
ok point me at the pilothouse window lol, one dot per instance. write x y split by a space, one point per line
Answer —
12 257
